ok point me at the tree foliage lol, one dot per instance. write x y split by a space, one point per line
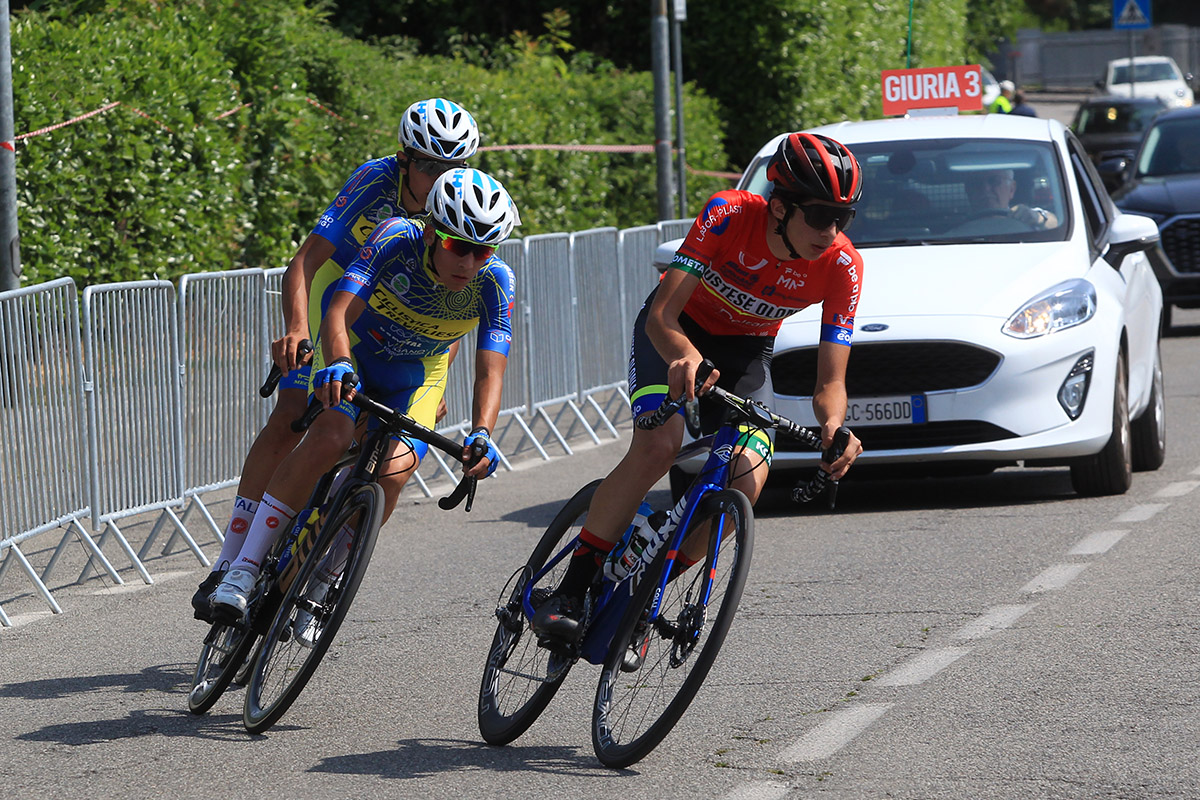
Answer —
237 122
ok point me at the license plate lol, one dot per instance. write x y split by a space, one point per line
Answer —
906 410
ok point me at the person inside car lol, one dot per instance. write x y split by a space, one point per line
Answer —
991 192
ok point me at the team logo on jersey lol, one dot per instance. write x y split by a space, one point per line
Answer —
379 214
399 284
742 261
716 217
366 253
341 201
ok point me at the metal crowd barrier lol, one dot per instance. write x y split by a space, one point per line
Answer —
140 397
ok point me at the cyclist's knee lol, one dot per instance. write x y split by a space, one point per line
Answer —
655 449
289 407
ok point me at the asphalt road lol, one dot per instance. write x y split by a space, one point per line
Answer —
979 637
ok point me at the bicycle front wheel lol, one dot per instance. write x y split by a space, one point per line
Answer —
655 666
312 610
520 678
225 650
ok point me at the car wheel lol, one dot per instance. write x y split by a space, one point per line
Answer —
1149 430
1111 470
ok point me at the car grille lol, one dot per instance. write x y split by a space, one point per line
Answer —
906 437
881 370
1181 241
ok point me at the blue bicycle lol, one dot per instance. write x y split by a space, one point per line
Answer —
656 631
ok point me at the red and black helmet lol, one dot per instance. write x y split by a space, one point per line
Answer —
809 165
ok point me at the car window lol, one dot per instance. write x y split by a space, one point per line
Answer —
1093 198
1114 118
1156 71
1171 147
949 191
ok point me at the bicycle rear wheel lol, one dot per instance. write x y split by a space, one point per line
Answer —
520 678
635 711
284 665
224 652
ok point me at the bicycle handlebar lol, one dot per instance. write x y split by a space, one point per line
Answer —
398 421
276 374
760 416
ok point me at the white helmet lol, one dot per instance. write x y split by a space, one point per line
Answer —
439 128
473 205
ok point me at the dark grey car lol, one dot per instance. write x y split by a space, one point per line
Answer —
1111 128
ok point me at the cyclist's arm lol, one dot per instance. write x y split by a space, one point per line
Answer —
343 310
485 407
830 401
668 337
297 283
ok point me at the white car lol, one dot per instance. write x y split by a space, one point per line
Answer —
982 341
1153 76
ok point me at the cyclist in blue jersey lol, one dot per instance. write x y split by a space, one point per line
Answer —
435 135
416 287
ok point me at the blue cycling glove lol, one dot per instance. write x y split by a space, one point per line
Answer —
337 371
492 455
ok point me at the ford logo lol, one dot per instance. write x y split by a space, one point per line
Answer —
874 327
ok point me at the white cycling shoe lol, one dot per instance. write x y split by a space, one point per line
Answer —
306 627
233 592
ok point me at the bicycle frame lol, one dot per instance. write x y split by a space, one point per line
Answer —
615 595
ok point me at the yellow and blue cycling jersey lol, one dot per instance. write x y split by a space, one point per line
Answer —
400 342
370 195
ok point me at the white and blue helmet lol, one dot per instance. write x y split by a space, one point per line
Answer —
473 205
439 128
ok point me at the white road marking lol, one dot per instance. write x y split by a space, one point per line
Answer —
1053 578
1177 489
992 620
922 666
1141 513
759 790
1096 543
836 731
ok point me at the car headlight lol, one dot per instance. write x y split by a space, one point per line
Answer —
1063 306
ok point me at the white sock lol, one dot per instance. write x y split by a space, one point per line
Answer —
235 531
271 520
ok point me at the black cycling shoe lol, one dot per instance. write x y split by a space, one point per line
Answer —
201 608
558 618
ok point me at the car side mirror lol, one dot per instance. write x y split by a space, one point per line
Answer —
1099 84
1113 171
1129 234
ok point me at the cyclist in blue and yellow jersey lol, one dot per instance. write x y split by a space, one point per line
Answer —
746 264
435 135
416 287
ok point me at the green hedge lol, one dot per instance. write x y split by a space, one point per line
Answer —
120 197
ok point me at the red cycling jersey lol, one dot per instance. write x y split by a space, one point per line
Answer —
746 291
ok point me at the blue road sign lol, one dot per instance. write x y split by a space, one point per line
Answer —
1131 15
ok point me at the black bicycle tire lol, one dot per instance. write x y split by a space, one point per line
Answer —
204 700
498 728
257 718
621 755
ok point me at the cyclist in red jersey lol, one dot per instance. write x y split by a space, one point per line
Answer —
746 264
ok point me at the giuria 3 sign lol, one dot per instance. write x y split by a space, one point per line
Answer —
946 90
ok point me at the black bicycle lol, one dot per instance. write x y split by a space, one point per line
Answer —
310 578
656 630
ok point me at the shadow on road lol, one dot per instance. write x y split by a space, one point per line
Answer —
420 758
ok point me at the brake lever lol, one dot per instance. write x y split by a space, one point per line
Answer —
466 487
315 408
841 438
276 374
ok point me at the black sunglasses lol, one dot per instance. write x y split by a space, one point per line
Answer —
821 217
431 166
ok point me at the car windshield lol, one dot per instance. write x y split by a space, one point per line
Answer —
1171 147
1114 118
952 191
1155 71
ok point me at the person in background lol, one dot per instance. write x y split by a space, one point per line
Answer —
1003 103
1021 108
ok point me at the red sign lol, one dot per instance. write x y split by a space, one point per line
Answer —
938 87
